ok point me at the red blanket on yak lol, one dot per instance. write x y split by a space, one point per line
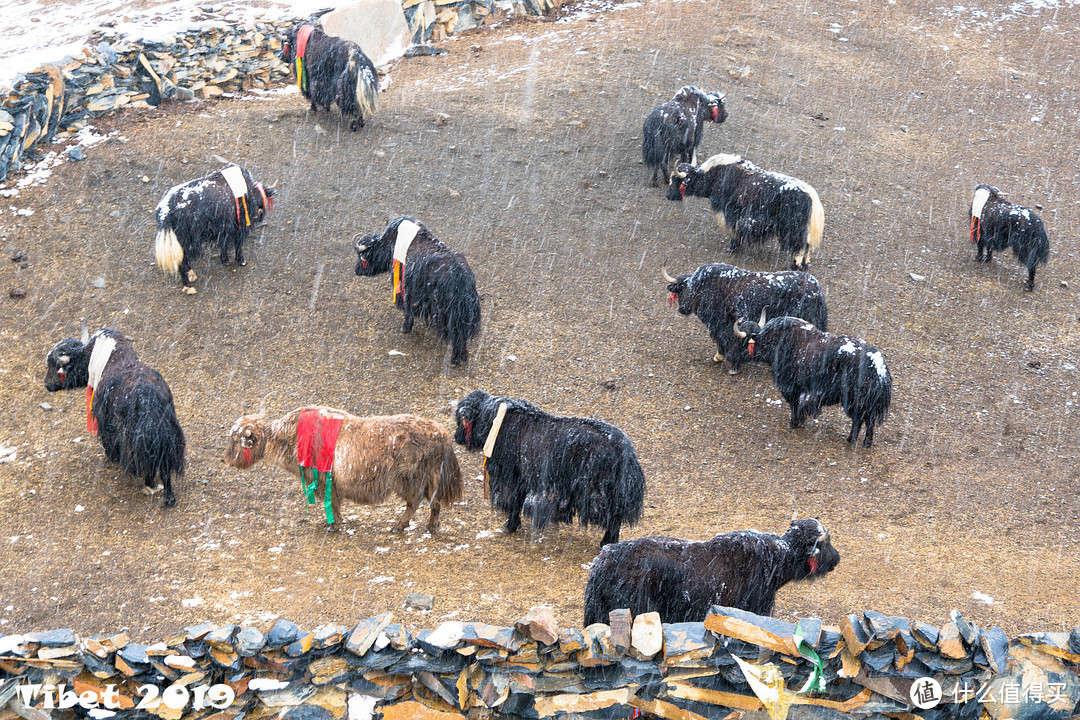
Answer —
316 438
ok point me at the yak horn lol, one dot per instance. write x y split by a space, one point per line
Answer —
666 276
739 333
761 320
273 185
795 515
63 360
85 333
247 431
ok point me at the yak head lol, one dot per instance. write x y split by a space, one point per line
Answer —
677 188
288 46
67 366
246 442
372 254
266 202
474 415
750 331
679 294
812 553
717 109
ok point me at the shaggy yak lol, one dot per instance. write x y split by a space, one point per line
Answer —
128 406
681 579
329 69
220 208
753 205
997 224
720 294
431 281
552 468
362 459
813 369
673 130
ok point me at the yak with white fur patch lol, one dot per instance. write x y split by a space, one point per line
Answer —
681 579
752 204
674 129
332 70
813 369
997 224
365 459
719 294
431 281
129 406
220 208
552 468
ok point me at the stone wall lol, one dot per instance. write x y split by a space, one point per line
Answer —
863 668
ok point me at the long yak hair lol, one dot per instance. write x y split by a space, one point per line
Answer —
554 468
681 579
334 70
405 455
438 285
132 407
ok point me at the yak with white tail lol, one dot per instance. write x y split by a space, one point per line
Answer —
331 70
997 224
339 456
753 205
220 208
128 406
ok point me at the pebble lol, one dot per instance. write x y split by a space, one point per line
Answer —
46 406
419 601
99 283
76 153
916 277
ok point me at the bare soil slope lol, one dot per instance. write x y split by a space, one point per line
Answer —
521 147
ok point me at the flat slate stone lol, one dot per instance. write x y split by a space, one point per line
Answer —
540 625
222 638
687 641
810 629
249 641
134 654
950 643
55 638
329 636
571 640
1052 643
198 632
366 631
647 634
762 631
301 647
619 622
491 636
968 632
855 636
926 634
283 633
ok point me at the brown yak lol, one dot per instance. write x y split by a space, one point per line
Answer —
367 457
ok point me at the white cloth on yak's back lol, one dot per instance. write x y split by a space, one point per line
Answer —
235 177
496 426
406 233
99 358
981 196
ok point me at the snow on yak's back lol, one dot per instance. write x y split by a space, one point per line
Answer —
329 69
220 208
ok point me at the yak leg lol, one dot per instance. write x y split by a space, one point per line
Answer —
1031 280
186 277
989 253
170 499
856 426
979 253
406 517
239 251
869 435
433 517
513 519
406 307
611 535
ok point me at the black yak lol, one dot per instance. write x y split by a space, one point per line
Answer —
719 294
431 281
363 459
329 69
220 208
997 224
128 406
681 579
753 205
673 130
553 468
813 369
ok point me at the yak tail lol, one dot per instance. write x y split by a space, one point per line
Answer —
450 488
156 440
630 484
816 226
367 86
168 251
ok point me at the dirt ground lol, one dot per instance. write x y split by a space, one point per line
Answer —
521 147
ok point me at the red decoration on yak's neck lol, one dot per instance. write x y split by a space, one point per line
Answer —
673 299
247 457
813 563
682 190
715 112
468 431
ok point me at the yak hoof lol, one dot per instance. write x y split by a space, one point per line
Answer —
397 529
733 371
191 276
717 358
190 290
170 501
